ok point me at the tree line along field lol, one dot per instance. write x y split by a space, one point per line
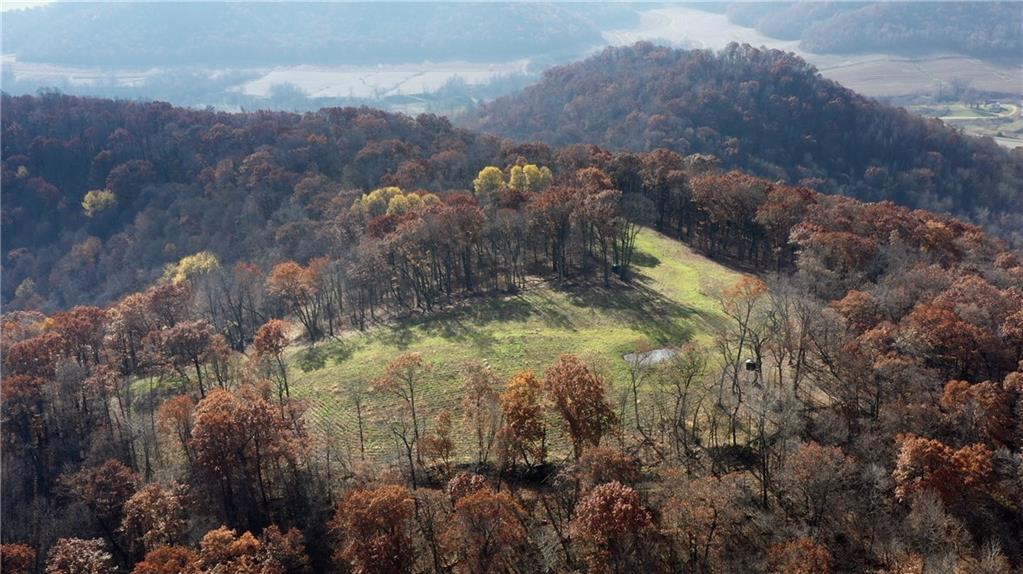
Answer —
672 300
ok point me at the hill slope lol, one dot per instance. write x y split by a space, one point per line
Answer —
771 113
185 180
985 29
877 312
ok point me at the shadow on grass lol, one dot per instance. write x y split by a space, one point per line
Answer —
399 335
466 324
637 305
641 259
315 358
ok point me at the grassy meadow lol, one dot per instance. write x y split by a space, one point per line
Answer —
671 300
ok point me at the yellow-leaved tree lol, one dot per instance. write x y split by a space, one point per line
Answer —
98 200
489 184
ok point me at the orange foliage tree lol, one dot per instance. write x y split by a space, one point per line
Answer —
524 434
297 288
376 529
155 516
977 412
612 522
168 560
799 557
486 532
270 343
17 558
928 464
579 394
240 443
224 550
104 489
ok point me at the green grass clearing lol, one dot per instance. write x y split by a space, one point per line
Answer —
670 301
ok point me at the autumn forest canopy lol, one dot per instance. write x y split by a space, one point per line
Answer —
851 401
772 114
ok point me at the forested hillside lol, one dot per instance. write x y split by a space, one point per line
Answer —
99 195
853 404
984 29
770 113
664 312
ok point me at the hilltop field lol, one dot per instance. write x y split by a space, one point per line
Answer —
671 300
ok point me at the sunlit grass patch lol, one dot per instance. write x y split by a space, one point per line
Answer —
671 300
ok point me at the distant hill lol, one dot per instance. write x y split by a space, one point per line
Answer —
771 113
984 29
278 33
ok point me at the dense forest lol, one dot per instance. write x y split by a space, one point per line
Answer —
860 407
772 114
159 183
984 29
100 195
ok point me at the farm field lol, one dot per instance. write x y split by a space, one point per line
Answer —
885 75
382 80
671 300
1001 120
